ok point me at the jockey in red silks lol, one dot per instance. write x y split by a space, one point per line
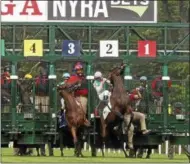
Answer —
5 79
157 92
81 93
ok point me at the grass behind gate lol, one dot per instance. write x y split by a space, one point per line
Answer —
7 156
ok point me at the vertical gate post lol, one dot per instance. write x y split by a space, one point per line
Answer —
165 78
13 78
52 98
127 76
90 77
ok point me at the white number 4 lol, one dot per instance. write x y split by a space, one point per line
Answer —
71 48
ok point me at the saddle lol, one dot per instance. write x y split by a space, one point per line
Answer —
70 87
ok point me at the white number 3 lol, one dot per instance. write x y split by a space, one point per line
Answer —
71 48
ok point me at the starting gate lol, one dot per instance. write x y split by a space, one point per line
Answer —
90 43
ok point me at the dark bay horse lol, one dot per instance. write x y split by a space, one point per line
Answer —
119 101
25 87
74 114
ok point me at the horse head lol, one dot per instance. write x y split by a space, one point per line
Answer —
116 71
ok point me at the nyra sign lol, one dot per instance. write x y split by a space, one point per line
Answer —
101 11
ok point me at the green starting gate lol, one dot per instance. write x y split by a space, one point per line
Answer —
43 42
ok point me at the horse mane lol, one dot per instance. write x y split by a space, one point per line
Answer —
117 82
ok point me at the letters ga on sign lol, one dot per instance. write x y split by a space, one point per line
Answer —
33 48
104 11
147 48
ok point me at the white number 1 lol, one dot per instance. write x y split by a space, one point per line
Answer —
147 49
71 48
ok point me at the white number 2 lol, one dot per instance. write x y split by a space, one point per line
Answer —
71 48
147 48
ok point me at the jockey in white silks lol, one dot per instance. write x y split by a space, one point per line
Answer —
103 94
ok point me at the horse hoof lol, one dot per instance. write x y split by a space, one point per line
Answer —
81 155
62 154
126 156
147 157
38 155
76 155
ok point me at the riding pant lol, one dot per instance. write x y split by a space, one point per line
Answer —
158 102
62 103
83 100
137 116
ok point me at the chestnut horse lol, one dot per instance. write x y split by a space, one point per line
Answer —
74 114
119 102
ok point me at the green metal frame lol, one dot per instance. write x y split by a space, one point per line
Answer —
90 57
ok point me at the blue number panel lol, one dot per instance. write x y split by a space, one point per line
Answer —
71 48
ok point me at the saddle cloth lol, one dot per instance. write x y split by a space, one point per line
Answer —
62 120
106 111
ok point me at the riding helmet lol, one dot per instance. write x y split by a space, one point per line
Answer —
98 74
28 76
143 78
78 66
66 75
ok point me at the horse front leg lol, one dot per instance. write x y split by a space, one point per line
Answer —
123 148
38 150
149 152
103 136
61 133
75 140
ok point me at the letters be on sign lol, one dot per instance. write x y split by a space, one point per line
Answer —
71 48
33 48
2 47
109 48
147 48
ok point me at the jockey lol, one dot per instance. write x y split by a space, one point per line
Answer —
65 77
142 104
5 79
134 116
157 87
81 93
143 81
103 94
99 85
